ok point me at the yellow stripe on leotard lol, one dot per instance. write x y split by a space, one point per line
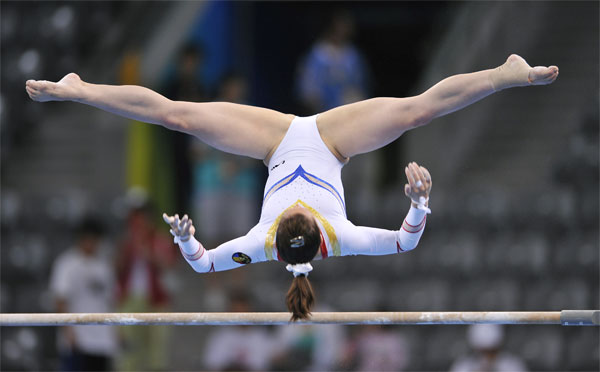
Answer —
270 249
326 186
333 241
278 185
270 240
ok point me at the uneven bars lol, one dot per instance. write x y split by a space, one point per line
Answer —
565 317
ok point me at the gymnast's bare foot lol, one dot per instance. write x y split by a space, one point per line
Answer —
515 72
68 88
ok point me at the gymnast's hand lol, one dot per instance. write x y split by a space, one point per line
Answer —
419 184
182 229
68 88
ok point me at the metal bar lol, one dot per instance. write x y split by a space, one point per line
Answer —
569 317
580 317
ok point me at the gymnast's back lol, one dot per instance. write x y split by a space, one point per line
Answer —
303 168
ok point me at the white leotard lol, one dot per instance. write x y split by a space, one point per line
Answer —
304 171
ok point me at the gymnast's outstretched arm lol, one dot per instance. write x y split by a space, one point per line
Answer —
360 240
355 240
229 255
368 125
239 129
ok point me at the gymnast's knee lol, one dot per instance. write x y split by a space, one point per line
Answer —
174 122
418 118
422 118
414 113
175 116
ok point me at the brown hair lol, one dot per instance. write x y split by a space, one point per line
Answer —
300 298
298 239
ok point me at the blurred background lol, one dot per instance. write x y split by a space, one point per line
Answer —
515 198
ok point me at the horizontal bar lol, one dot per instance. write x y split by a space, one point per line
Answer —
580 317
566 317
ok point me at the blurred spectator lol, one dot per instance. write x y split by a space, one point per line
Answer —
577 169
145 256
486 342
225 185
185 85
377 348
333 73
313 348
241 348
83 281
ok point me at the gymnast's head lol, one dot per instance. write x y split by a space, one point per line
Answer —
298 239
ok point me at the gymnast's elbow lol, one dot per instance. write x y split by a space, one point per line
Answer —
405 245
200 267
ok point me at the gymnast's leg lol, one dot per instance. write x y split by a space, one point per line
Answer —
238 129
368 125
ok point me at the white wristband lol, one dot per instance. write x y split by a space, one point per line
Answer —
421 204
191 249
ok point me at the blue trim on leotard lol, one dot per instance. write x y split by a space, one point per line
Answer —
311 178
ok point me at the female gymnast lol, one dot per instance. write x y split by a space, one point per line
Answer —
303 214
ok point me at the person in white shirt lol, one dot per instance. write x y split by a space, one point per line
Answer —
238 348
303 204
82 281
486 342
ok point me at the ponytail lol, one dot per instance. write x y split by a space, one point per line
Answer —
300 298
298 240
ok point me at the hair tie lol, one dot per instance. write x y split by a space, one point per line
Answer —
299 269
297 242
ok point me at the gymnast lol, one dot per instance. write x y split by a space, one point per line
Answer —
303 214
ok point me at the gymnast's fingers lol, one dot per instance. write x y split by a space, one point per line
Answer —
168 219
175 224
407 190
418 185
189 228
428 180
419 177
182 223
409 176
185 226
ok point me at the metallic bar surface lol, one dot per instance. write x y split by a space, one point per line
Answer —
573 317
580 317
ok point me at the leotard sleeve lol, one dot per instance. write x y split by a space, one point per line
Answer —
230 255
360 240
